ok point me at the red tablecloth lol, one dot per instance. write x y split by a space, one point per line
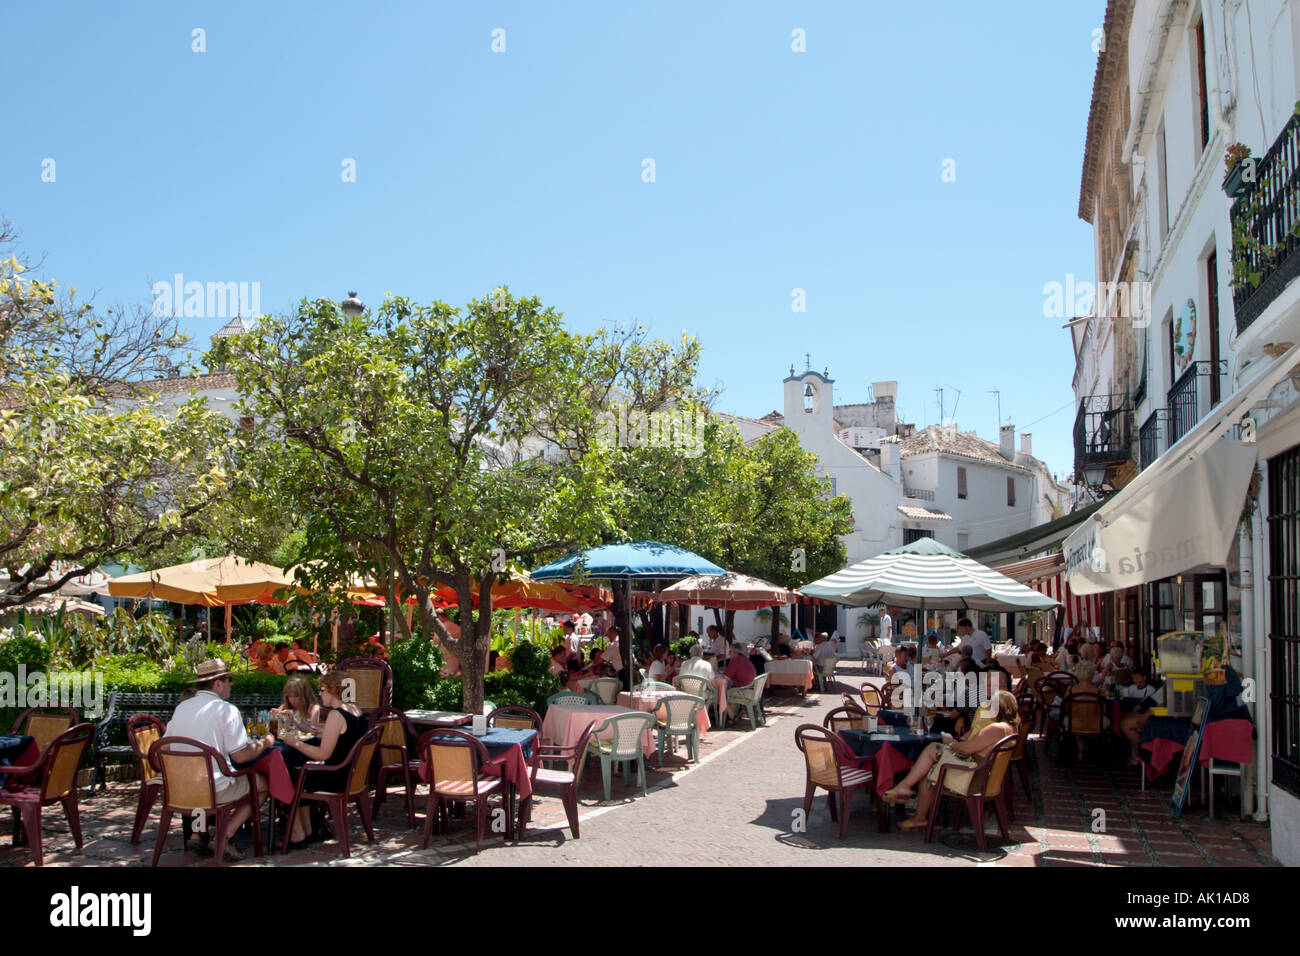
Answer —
509 765
889 763
1226 740
272 767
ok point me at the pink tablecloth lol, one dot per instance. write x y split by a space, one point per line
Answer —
791 673
1225 740
564 724
649 702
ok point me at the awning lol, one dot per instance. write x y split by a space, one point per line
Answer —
1180 512
1047 576
923 514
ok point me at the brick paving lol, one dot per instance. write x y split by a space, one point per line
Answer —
740 806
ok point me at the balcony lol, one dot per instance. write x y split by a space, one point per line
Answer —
1192 397
1266 229
1103 431
1149 437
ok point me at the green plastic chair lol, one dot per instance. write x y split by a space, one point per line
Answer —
606 688
700 687
752 698
679 721
651 686
826 672
624 746
572 697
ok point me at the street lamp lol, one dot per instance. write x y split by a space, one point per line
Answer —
352 306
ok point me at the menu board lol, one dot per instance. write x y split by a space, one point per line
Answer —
1190 753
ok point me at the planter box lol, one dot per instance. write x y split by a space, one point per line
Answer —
1235 184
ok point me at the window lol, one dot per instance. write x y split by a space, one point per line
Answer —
1212 300
961 482
1011 492
916 534
1284 621
963 542
1202 99
1162 174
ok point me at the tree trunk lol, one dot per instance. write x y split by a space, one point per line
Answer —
623 618
717 618
730 629
394 612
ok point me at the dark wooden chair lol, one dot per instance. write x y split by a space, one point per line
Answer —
871 699
988 781
141 732
515 717
396 758
891 696
1018 758
56 768
187 767
456 775
844 718
565 781
833 767
357 790
1050 693
1083 715
372 683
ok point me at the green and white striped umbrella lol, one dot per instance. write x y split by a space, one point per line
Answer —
926 574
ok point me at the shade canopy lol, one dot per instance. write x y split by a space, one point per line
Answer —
518 591
634 561
926 574
211 582
729 592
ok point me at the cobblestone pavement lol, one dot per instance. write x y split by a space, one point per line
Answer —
738 806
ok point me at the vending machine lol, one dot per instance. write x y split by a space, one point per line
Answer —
1178 659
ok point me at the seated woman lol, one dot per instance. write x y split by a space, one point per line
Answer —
658 666
997 719
672 665
1147 696
298 707
298 653
343 728
1114 660
559 660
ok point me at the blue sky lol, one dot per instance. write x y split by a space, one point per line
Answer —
774 170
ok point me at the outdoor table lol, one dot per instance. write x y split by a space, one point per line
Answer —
564 724
790 672
17 750
1164 738
438 718
893 718
894 752
1118 707
278 767
509 752
649 701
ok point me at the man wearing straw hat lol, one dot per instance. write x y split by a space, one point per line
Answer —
210 719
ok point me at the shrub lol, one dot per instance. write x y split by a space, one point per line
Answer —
682 647
417 666
19 648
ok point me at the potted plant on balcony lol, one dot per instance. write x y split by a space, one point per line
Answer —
1241 169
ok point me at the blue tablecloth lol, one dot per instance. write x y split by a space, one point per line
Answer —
866 743
500 739
894 718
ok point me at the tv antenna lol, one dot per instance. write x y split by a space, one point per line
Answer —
998 395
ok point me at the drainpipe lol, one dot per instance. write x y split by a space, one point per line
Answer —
1263 715
1249 645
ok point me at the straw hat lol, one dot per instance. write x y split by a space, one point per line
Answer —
210 670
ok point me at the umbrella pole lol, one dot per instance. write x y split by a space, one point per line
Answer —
228 609
209 617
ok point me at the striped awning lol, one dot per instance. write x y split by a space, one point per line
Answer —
927 573
1047 576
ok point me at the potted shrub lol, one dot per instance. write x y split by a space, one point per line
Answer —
1241 167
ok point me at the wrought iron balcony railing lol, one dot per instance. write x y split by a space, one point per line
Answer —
1188 401
1266 228
1103 431
1149 437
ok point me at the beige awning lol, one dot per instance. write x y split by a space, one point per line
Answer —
923 514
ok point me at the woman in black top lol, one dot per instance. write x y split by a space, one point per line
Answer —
343 728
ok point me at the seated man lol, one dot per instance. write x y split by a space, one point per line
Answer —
824 648
1114 660
739 672
1147 695
717 642
208 718
696 665
299 654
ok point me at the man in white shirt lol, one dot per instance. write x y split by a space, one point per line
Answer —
981 646
719 647
886 627
697 666
210 719
825 648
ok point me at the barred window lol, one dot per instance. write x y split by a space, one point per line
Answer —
1284 621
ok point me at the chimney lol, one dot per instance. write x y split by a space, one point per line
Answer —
889 450
1009 442
1027 444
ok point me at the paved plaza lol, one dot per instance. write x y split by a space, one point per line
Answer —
740 806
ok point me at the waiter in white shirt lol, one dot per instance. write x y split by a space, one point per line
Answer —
981 646
886 627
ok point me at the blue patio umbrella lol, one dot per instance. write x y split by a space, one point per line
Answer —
633 561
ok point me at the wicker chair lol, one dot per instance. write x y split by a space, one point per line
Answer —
395 758
372 685
833 767
187 767
844 718
679 720
515 717
357 764
1050 692
987 782
141 732
57 783
43 724
623 746
871 699
456 762
751 697
566 781
606 688
573 698
1018 759
1083 715
651 686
